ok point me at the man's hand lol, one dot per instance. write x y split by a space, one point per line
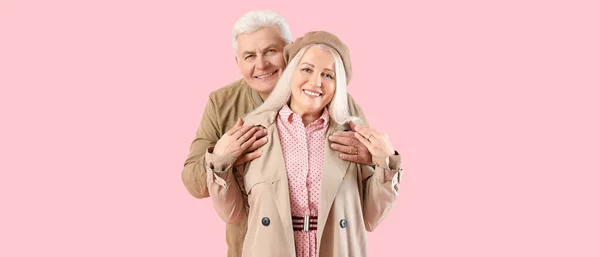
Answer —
236 140
251 153
350 147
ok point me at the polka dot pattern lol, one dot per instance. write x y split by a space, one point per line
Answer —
304 156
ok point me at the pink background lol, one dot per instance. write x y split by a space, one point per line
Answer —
494 106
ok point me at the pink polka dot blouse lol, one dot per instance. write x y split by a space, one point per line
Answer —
303 154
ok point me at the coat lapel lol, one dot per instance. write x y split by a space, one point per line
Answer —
334 170
275 174
280 189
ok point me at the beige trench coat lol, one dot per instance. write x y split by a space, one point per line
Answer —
354 198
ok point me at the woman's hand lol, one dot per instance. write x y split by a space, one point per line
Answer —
379 144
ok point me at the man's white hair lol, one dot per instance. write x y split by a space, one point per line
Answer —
255 20
338 107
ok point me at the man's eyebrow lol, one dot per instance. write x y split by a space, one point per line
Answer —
264 49
267 47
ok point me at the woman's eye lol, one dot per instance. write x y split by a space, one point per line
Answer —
307 70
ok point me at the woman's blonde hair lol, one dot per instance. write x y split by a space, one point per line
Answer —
280 96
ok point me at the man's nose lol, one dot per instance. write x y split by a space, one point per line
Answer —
262 63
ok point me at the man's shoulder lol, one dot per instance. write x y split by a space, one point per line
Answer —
232 89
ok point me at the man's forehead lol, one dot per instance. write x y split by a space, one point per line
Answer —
260 45
259 41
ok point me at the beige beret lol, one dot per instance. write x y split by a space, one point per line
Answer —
320 37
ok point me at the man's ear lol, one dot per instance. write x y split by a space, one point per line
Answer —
237 62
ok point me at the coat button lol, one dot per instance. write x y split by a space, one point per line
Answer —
266 221
343 223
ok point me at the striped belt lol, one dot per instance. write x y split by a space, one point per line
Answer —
304 223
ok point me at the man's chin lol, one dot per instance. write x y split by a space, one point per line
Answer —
262 87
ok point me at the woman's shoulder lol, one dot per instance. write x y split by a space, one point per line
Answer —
265 119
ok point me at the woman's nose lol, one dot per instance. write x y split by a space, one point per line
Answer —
315 79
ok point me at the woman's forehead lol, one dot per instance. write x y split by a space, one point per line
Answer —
318 56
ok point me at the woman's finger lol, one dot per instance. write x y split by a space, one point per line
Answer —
364 131
367 132
363 140
375 133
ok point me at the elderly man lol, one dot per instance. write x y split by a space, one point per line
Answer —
258 41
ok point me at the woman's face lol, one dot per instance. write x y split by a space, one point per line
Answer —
313 82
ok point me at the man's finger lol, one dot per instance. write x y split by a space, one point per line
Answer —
344 149
344 140
357 159
237 126
260 133
247 157
234 129
247 135
248 143
348 157
241 131
349 134
257 144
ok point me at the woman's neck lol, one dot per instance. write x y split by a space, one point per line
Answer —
307 117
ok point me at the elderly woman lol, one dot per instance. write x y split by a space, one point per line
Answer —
300 199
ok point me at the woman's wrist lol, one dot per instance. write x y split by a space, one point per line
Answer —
383 162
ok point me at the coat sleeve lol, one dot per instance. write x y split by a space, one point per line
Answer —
207 135
380 189
224 187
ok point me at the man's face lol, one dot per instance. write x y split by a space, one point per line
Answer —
260 59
